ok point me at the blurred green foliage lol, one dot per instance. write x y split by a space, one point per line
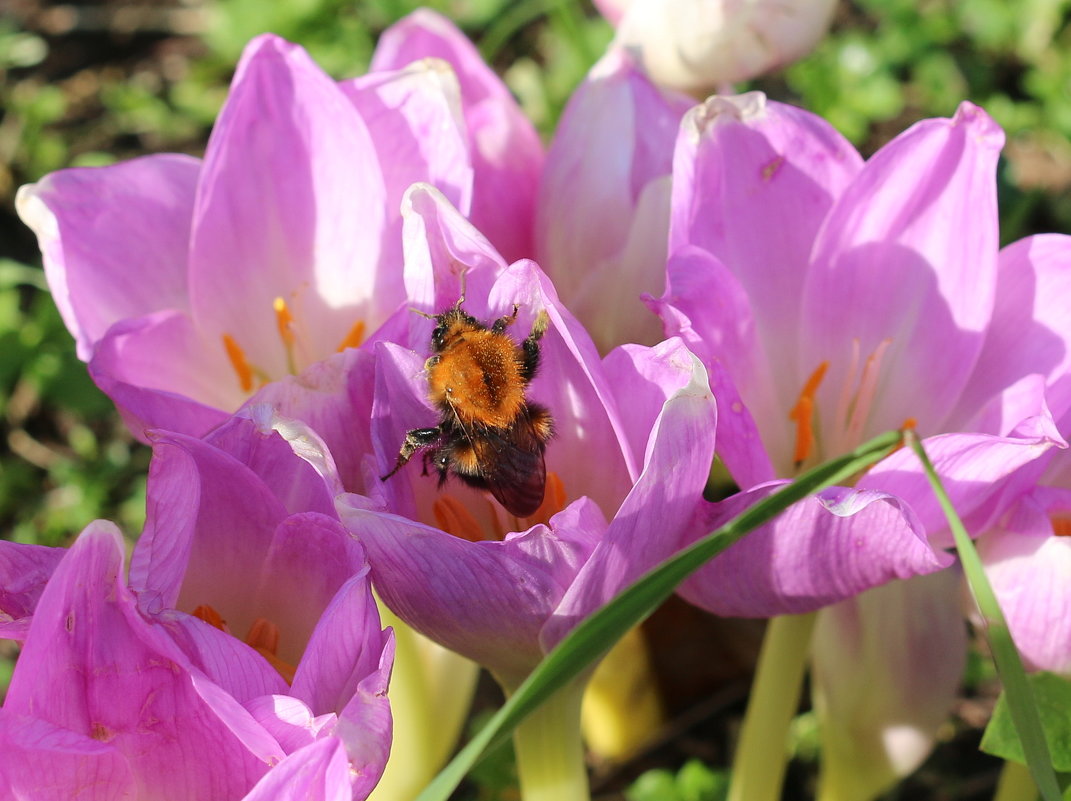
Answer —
693 782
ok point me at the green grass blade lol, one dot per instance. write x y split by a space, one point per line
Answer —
595 635
1017 690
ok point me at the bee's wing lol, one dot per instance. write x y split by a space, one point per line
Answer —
512 467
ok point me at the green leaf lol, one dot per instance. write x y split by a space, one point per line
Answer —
1052 694
1022 707
595 635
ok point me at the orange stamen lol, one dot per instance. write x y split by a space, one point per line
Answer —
210 616
238 362
553 501
285 321
263 637
453 518
803 414
354 338
1061 526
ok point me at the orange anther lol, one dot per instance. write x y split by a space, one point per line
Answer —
453 518
285 321
354 338
238 362
209 616
803 414
1061 526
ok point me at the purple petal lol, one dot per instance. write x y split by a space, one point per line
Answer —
659 510
209 518
821 550
752 183
24 572
161 373
972 468
506 152
333 399
47 763
485 600
886 670
288 169
114 240
604 199
415 120
908 258
93 665
1030 571
1030 332
317 772
346 647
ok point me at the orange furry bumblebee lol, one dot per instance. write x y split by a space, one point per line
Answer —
489 434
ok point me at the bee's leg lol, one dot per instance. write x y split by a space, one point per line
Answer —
502 323
414 440
530 348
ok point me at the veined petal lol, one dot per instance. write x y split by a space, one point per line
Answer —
289 167
604 197
162 373
24 572
972 468
208 518
660 509
114 240
819 551
1030 331
316 772
908 258
485 600
1030 570
881 686
752 183
93 665
47 763
415 119
506 152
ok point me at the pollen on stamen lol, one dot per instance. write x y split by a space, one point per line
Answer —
802 414
238 361
284 320
354 338
453 518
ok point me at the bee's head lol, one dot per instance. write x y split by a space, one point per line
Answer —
450 324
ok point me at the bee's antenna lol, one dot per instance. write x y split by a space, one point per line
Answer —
423 314
463 279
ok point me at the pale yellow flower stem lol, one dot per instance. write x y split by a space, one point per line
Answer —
622 710
430 693
762 752
550 755
1016 784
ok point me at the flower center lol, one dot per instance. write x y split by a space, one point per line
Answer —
263 637
855 400
453 517
250 374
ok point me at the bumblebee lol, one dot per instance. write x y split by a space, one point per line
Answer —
489 434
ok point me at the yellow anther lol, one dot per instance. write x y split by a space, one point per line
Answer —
802 414
354 338
285 321
238 362
453 518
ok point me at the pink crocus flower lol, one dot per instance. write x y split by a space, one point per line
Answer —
105 696
834 299
626 469
241 536
189 283
603 216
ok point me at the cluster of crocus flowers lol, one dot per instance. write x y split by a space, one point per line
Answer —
273 353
